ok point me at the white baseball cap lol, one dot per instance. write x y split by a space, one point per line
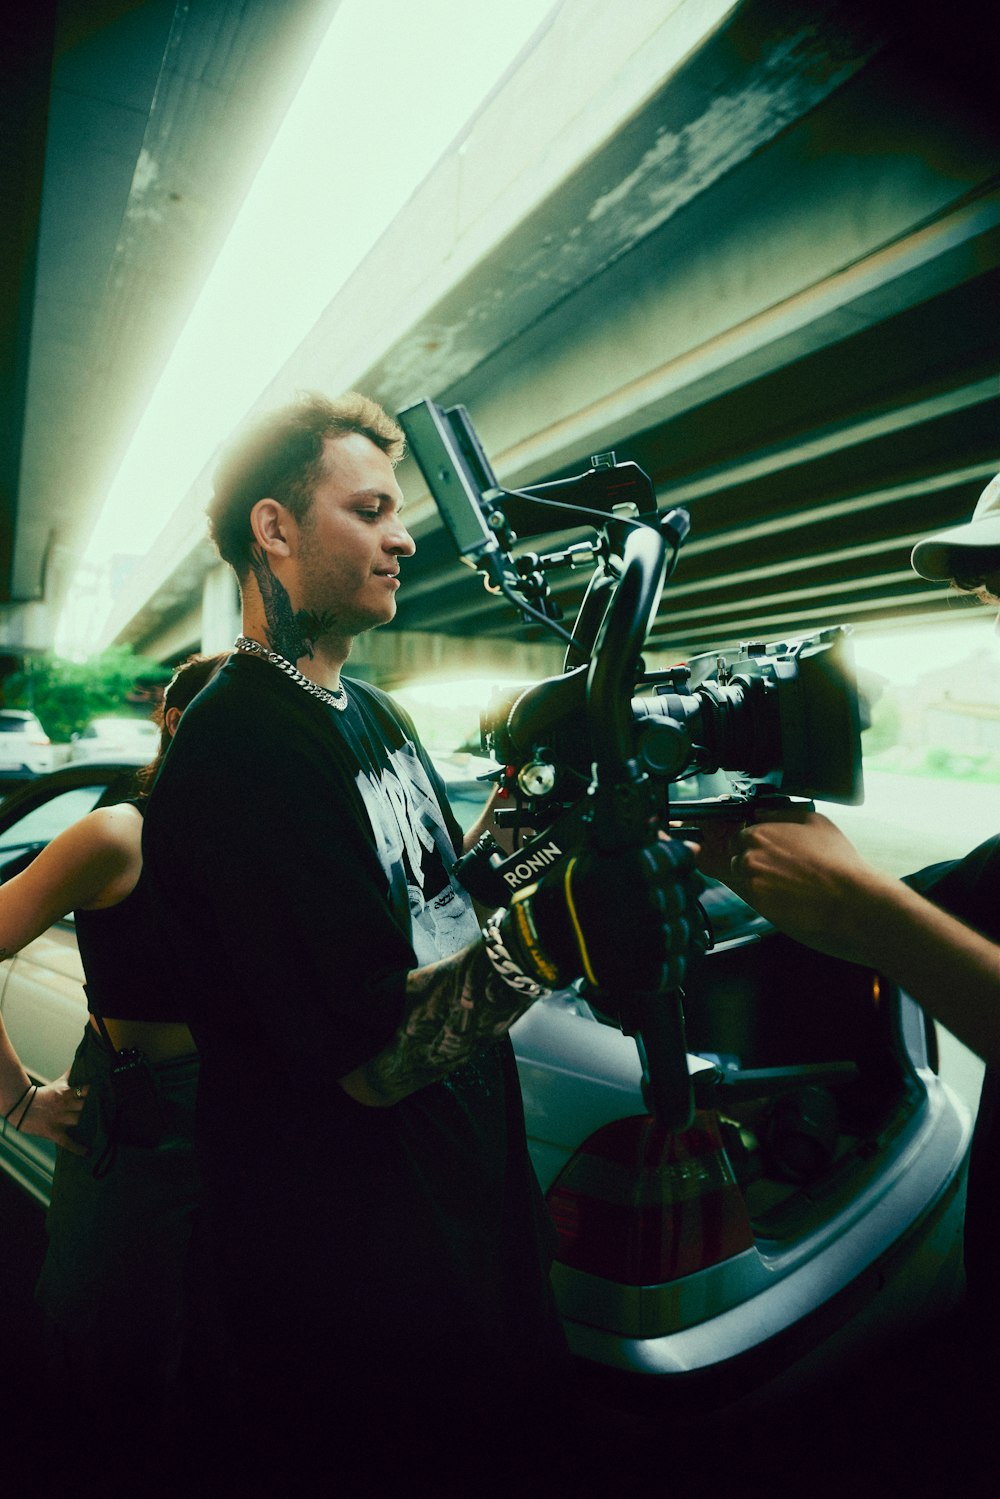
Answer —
940 557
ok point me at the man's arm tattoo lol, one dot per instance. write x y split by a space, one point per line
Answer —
291 633
455 1006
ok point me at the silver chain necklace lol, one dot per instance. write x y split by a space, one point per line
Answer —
337 698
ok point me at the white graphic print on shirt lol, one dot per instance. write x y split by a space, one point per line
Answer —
415 851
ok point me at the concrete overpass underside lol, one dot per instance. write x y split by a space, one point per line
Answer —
754 249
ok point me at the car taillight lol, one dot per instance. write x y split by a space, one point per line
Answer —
641 1205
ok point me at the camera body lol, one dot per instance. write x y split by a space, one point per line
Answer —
780 716
771 722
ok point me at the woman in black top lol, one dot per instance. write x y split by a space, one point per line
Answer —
123 1193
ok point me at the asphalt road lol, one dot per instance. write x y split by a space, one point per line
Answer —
904 1423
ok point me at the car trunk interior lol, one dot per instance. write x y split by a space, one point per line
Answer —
813 1078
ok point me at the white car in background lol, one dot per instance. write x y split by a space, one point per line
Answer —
116 741
25 748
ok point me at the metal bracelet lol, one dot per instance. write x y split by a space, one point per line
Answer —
504 966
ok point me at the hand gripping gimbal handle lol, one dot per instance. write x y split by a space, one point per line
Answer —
654 1017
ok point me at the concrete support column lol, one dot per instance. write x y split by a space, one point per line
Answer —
220 609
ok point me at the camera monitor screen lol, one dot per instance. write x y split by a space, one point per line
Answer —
457 473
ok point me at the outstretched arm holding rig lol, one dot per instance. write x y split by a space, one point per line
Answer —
800 872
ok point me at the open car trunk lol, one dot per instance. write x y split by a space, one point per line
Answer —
814 1075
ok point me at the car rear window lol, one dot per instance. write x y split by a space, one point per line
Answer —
46 822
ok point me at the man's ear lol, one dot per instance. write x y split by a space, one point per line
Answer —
273 527
171 719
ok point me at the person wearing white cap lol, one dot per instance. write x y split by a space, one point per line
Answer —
966 555
936 933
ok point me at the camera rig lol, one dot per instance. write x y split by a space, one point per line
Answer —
589 756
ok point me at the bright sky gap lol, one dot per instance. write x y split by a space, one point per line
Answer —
388 90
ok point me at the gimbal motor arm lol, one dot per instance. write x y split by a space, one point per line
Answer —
624 810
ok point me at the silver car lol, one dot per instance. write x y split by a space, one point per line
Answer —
121 741
818 1195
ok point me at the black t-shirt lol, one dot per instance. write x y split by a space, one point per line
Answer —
969 888
300 860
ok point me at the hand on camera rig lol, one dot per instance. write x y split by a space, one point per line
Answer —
623 920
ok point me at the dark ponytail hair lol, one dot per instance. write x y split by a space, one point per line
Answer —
182 689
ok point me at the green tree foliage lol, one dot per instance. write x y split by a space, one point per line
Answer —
66 695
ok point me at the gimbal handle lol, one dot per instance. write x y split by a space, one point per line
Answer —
623 812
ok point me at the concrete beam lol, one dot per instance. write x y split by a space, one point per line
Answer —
703 218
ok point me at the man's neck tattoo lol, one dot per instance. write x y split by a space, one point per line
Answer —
292 634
